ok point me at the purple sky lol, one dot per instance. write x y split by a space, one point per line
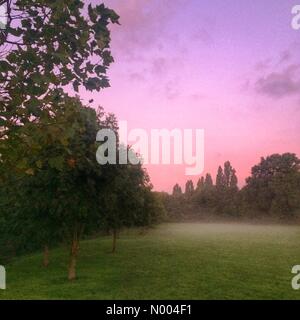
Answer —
229 67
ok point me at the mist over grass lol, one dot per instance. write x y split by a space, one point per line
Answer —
172 261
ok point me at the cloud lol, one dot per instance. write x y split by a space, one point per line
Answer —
138 77
171 90
159 66
285 56
204 36
280 84
151 45
197 96
144 23
153 26
263 65
276 77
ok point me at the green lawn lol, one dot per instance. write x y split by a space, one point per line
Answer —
172 261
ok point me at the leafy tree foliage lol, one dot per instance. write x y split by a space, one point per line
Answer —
54 45
273 186
47 139
57 189
124 199
62 192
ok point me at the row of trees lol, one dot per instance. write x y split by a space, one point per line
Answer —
273 189
57 192
52 190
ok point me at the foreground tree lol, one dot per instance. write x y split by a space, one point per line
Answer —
47 139
30 222
59 179
53 45
127 198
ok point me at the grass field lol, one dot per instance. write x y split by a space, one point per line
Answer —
172 261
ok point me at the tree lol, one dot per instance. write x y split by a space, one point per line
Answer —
152 211
273 186
220 180
54 45
123 198
59 162
177 190
47 139
30 218
204 197
230 176
189 188
226 190
200 184
233 185
208 183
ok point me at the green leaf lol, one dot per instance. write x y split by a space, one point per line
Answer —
56 163
4 66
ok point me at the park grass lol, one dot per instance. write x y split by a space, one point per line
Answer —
171 261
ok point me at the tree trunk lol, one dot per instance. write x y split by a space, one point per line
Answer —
73 259
114 240
46 256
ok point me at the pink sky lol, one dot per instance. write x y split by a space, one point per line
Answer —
228 67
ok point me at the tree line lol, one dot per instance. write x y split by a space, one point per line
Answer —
272 191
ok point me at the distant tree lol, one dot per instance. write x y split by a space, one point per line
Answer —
189 188
233 185
220 180
208 183
272 189
229 175
200 183
177 191
174 203
274 185
226 190
204 196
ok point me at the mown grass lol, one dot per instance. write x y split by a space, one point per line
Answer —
172 261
